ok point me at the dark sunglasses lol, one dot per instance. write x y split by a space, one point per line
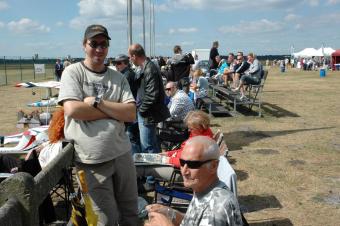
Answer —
193 164
118 63
167 89
102 45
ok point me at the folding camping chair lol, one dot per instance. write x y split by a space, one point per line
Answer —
171 134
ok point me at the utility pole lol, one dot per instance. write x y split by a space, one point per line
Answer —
150 31
129 6
154 32
143 8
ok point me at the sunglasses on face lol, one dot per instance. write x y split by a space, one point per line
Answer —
167 89
118 63
193 164
102 45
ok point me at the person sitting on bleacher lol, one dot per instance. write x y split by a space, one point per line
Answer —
222 66
252 75
199 86
240 68
229 72
180 103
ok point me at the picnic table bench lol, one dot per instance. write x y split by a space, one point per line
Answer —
234 98
214 107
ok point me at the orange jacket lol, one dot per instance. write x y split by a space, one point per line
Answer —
175 155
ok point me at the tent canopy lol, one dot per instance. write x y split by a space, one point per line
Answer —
327 51
308 52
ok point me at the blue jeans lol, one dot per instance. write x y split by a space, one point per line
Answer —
133 133
148 138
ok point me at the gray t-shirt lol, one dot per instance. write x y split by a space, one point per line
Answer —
217 206
101 140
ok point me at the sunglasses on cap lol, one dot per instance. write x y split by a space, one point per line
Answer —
194 164
102 45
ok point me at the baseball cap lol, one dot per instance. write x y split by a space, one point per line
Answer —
94 30
120 57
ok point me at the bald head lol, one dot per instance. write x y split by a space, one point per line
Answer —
170 89
137 49
199 162
136 54
205 147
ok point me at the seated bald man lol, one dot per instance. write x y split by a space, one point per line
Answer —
213 203
180 103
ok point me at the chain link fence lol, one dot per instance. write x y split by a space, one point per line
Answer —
20 69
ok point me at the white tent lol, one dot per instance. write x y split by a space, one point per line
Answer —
308 52
327 51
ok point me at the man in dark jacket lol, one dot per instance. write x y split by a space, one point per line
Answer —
180 65
122 64
58 69
212 55
150 99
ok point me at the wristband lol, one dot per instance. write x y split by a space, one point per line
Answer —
96 102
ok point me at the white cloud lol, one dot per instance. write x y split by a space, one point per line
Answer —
312 2
95 8
3 5
291 17
188 43
27 26
252 27
333 2
182 30
106 12
326 20
298 26
162 8
225 4
60 24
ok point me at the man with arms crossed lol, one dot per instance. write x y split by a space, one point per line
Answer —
97 101
213 203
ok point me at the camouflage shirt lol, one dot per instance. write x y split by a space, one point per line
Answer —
216 207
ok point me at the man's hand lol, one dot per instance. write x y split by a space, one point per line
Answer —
157 219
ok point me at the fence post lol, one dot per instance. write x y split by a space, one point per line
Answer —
20 69
5 70
21 186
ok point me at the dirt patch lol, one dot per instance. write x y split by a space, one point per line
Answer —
267 151
331 198
296 162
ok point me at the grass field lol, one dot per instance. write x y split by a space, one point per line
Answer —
15 73
287 162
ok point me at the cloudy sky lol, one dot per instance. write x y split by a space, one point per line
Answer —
55 28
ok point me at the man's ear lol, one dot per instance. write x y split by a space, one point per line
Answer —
213 165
